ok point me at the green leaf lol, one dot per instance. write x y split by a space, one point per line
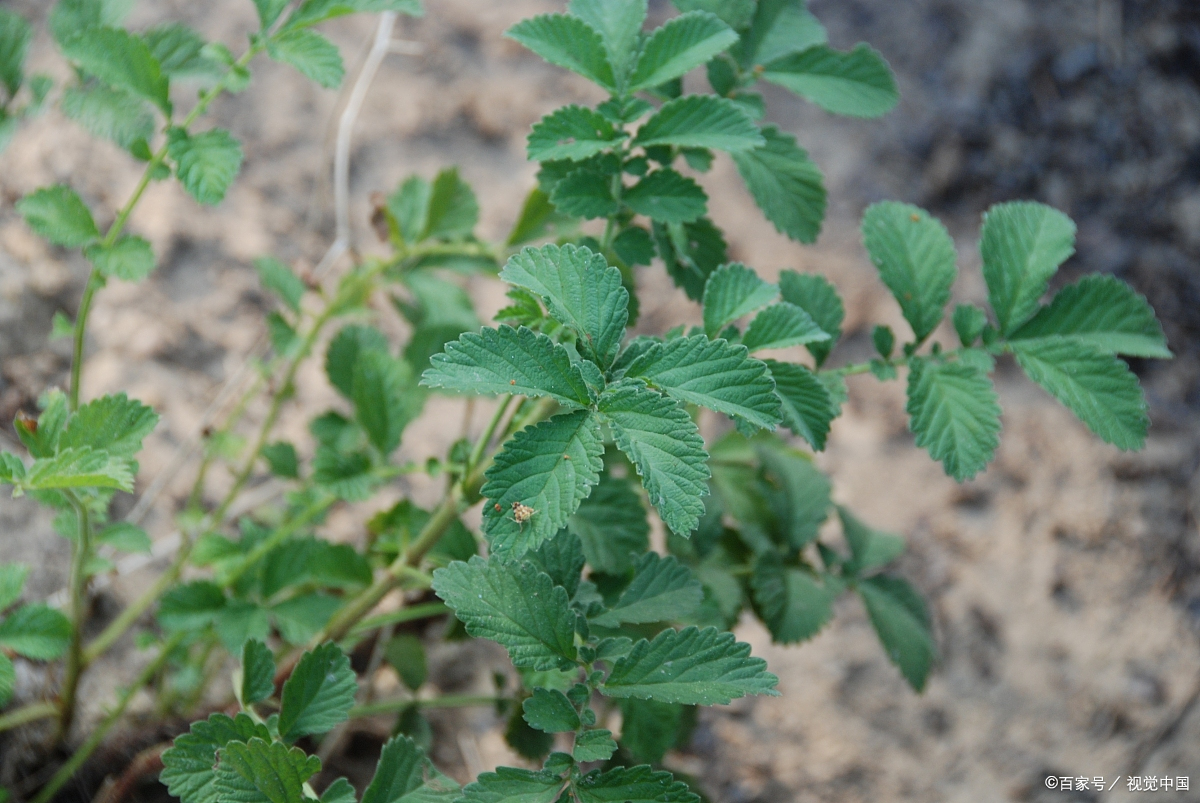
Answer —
954 413
525 741
111 114
806 407
569 42
1103 313
409 205
314 56
780 28
1099 388
206 164
241 620
453 210
594 745
8 679
191 606
858 83
258 771
869 548
406 654
12 580
279 279
548 468
318 695
340 791
819 298
129 258
713 374
701 121
801 503
611 523
80 468
691 252
538 219
313 12
580 290
902 622
507 360
665 447
794 606
969 323
405 775
619 23
116 424
300 618
15 35
42 439
679 46
691 666
1022 244
258 672
666 196
189 765
509 785
385 398
585 193
787 186
641 784
916 260
550 711
782 325
344 351
662 590
515 605
125 537
649 729
36 631
59 215
562 558
269 11
347 476
571 132
119 59
180 53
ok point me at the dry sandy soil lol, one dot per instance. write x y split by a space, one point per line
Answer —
1063 581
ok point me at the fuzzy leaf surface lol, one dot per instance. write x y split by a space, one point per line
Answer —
640 784
901 621
732 291
701 121
319 693
119 59
80 468
36 631
1022 244
405 775
806 407
206 164
258 771
571 132
662 590
314 56
819 298
258 672
782 325
668 197
619 23
953 412
858 83
116 424
59 215
129 258
111 114
188 766
786 184
511 785
566 41
682 44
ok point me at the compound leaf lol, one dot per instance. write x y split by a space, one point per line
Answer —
640 784
566 41
258 672
668 197
901 621
129 258
916 260
665 447
806 407
1103 313
510 785
548 468
550 711
571 132
188 766
258 771
319 694
953 412
207 163
313 55
786 184
794 606
690 666
116 424
507 360
619 23
58 214
858 83
662 590
36 631
680 45
815 295
782 325
515 605
1099 388
120 59
701 121
1022 244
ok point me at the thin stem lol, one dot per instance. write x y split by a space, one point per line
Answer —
445 701
486 436
79 580
424 611
87 748
281 534
26 714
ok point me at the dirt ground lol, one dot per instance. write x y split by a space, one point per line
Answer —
1065 581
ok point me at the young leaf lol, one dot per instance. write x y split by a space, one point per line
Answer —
569 42
662 590
691 666
385 398
665 447
1103 313
507 360
189 765
129 258
701 121
453 210
779 28
668 197
269 11
509 785
794 606
713 374
258 771
815 295
858 83
36 631
179 51
594 745
806 407
57 214
258 672
619 23
1022 245
902 622
15 34
319 693
580 290
279 279
80 468
12 580
1099 388
916 260
343 354
515 605
550 711
678 47
111 114
954 413
787 186
405 775
969 323
191 606
869 548
571 132
340 791
548 468
782 325
611 523
119 59
116 424
585 193
562 558
313 55
206 164
691 252
641 784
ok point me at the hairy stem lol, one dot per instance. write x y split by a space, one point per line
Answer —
26 714
79 609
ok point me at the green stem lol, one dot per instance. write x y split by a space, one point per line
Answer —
281 534
425 610
486 437
85 750
26 714
445 701
862 367
78 591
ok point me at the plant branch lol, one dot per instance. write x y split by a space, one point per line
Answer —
79 610
26 714
445 701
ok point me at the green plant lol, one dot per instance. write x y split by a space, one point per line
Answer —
592 424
